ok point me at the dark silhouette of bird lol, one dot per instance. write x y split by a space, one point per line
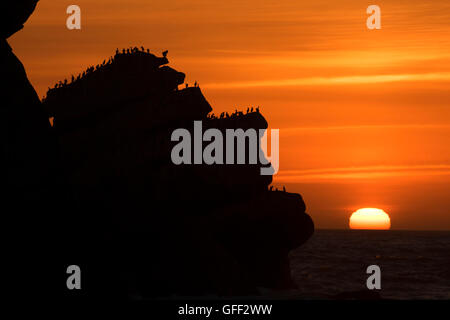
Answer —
165 53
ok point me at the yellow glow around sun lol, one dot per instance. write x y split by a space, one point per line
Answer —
370 218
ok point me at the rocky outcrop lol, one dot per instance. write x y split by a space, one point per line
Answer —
27 157
174 229
13 15
99 189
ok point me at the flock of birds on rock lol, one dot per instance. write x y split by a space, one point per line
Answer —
104 64
139 51
235 114
276 189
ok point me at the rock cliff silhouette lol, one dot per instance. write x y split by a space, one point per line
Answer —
27 156
111 201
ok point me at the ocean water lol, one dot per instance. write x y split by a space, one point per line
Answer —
414 264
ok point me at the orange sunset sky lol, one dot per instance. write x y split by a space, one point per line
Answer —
364 115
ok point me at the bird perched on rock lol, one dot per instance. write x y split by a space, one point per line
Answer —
165 53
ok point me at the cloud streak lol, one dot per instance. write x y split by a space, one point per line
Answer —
362 172
289 131
345 80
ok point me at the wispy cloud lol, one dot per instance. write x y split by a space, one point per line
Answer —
363 172
294 130
317 81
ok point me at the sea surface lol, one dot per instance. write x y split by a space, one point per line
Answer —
414 264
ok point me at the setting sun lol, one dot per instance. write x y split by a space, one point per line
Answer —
370 218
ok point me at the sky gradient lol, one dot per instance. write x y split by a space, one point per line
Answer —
364 115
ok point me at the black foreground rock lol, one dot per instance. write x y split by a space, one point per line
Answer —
99 189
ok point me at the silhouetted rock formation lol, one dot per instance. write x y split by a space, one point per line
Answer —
186 229
13 15
107 196
27 157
